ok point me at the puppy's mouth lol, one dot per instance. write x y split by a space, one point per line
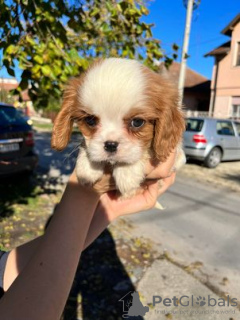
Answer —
112 158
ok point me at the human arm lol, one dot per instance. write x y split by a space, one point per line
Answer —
41 290
43 285
108 209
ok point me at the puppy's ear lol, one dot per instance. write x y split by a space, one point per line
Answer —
63 123
169 122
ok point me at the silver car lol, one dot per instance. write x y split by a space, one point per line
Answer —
212 140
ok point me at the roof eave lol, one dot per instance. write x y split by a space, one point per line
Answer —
227 31
211 54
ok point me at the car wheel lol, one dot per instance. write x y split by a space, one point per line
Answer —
213 158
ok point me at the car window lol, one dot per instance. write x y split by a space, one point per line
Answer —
225 128
194 125
237 124
10 116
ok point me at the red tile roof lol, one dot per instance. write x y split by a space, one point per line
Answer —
192 77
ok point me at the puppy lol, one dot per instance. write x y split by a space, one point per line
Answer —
127 115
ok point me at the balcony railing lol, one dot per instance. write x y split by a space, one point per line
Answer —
193 113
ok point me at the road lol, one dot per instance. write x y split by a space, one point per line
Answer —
200 225
55 165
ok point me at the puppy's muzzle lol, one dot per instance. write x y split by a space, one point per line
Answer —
110 146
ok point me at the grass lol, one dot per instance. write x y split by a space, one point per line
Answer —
49 127
42 126
24 209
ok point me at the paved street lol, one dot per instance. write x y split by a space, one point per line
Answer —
52 163
199 227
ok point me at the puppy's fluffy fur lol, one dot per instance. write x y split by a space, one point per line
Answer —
122 102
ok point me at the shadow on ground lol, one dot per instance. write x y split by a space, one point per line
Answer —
100 282
52 171
15 190
195 161
54 163
232 177
21 188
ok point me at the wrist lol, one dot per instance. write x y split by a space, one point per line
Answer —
78 193
105 212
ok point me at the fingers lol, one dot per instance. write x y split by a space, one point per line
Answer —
166 183
163 169
106 184
152 192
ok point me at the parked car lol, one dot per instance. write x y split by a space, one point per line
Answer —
212 140
16 142
27 118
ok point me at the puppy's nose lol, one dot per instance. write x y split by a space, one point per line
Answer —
110 146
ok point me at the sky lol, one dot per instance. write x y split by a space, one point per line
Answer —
208 20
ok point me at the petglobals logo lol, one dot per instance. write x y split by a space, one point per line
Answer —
132 305
191 301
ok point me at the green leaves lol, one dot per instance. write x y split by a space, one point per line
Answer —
38 59
46 70
56 39
11 49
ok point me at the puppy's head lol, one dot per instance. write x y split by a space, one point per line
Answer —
122 109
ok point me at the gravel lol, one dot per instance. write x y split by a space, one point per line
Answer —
227 174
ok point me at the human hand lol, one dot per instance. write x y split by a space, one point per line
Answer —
153 171
113 205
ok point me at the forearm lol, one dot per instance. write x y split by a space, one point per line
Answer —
41 290
20 256
18 259
101 219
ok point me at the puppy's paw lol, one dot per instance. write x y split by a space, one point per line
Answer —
128 178
88 176
128 194
88 172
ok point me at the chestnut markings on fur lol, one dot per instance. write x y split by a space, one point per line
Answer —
71 111
64 122
120 102
163 107
144 134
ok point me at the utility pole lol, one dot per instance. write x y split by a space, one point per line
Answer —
191 5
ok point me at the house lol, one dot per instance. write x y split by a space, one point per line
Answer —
225 86
8 84
196 96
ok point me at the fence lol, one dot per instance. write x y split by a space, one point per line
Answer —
205 114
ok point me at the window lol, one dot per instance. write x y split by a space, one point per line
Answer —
236 111
10 116
225 128
237 124
238 54
194 125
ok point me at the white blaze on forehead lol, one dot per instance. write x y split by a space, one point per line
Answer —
113 87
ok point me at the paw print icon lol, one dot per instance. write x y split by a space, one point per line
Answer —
201 301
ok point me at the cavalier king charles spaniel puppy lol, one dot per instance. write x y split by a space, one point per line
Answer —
127 115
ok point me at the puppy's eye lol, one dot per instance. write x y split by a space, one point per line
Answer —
137 123
91 121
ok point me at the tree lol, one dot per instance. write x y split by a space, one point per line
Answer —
5 96
54 40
